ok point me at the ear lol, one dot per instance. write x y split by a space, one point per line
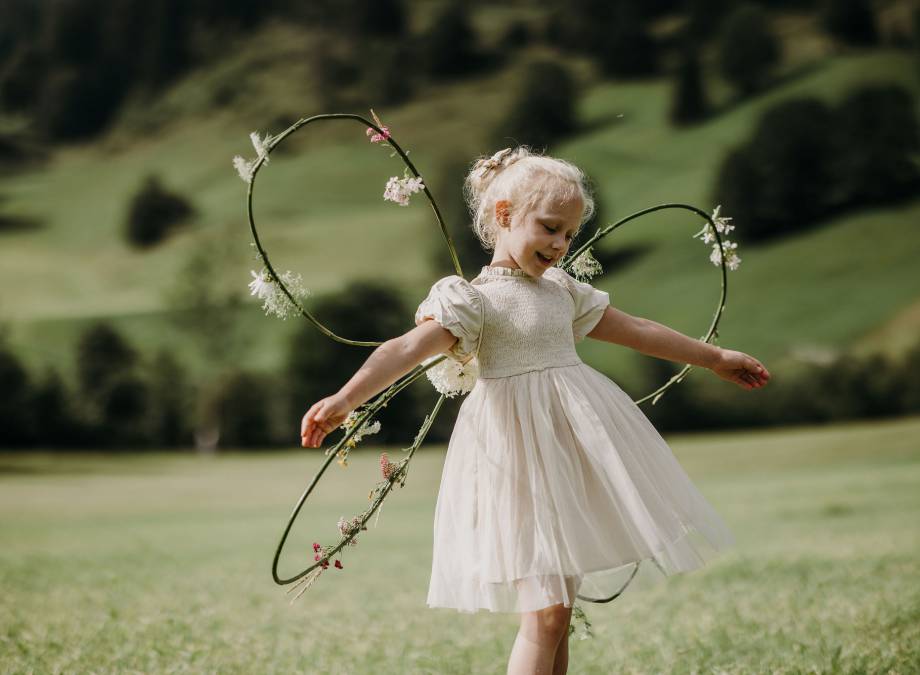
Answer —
503 212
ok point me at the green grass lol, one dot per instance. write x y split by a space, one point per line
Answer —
320 212
161 563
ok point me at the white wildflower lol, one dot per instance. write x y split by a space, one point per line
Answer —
399 189
586 266
708 236
244 168
262 145
731 258
274 300
450 377
366 430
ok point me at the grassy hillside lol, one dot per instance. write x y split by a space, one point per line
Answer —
161 563
320 213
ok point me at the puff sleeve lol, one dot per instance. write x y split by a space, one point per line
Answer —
590 303
457 306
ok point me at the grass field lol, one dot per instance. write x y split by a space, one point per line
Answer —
160 563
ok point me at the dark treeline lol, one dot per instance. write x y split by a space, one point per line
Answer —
807 161
122 401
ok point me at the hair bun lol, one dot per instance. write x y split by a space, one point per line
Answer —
484 169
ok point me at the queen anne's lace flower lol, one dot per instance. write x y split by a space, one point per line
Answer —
399 189
586 266
450 377
274 300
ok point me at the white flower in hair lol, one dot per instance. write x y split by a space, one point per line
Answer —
450 377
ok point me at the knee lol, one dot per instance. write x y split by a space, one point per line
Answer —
547 625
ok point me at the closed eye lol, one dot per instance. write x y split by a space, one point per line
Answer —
568 237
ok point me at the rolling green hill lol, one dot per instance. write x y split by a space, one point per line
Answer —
851 284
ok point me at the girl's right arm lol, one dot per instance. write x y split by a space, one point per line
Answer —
386 364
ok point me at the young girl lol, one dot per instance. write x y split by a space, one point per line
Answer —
554 483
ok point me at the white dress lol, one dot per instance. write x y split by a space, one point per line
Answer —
555 483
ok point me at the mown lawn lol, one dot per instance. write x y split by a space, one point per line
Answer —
161 563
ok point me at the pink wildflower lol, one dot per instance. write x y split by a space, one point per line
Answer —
377 138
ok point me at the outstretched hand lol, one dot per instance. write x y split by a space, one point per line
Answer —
743 370
323 417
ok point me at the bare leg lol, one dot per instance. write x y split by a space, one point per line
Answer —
561 664
537 641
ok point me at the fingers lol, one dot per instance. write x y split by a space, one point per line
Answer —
314 427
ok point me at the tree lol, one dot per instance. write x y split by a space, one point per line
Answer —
448 48
851 21
748 49
688 98
113 397
628 49
542 109
15 409
318 366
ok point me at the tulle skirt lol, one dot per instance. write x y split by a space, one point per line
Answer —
555 485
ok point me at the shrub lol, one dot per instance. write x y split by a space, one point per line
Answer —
542 110
748 49
781 180
152 212
877 141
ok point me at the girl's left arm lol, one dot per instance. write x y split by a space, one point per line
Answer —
655 339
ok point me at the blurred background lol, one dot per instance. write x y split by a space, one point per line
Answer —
124 243
131 349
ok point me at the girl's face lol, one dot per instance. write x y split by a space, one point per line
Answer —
535 240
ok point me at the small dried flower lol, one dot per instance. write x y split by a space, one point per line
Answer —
386 466
399 190
316 546
262 145
338 563
244 168
373 135
450 377
586 266
366 430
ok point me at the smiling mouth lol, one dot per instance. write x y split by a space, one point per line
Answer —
544 259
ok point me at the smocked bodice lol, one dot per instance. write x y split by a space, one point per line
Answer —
512 322
527 323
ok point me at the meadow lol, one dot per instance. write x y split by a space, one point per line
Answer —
161 563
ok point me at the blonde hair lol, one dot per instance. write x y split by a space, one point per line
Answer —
522 177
